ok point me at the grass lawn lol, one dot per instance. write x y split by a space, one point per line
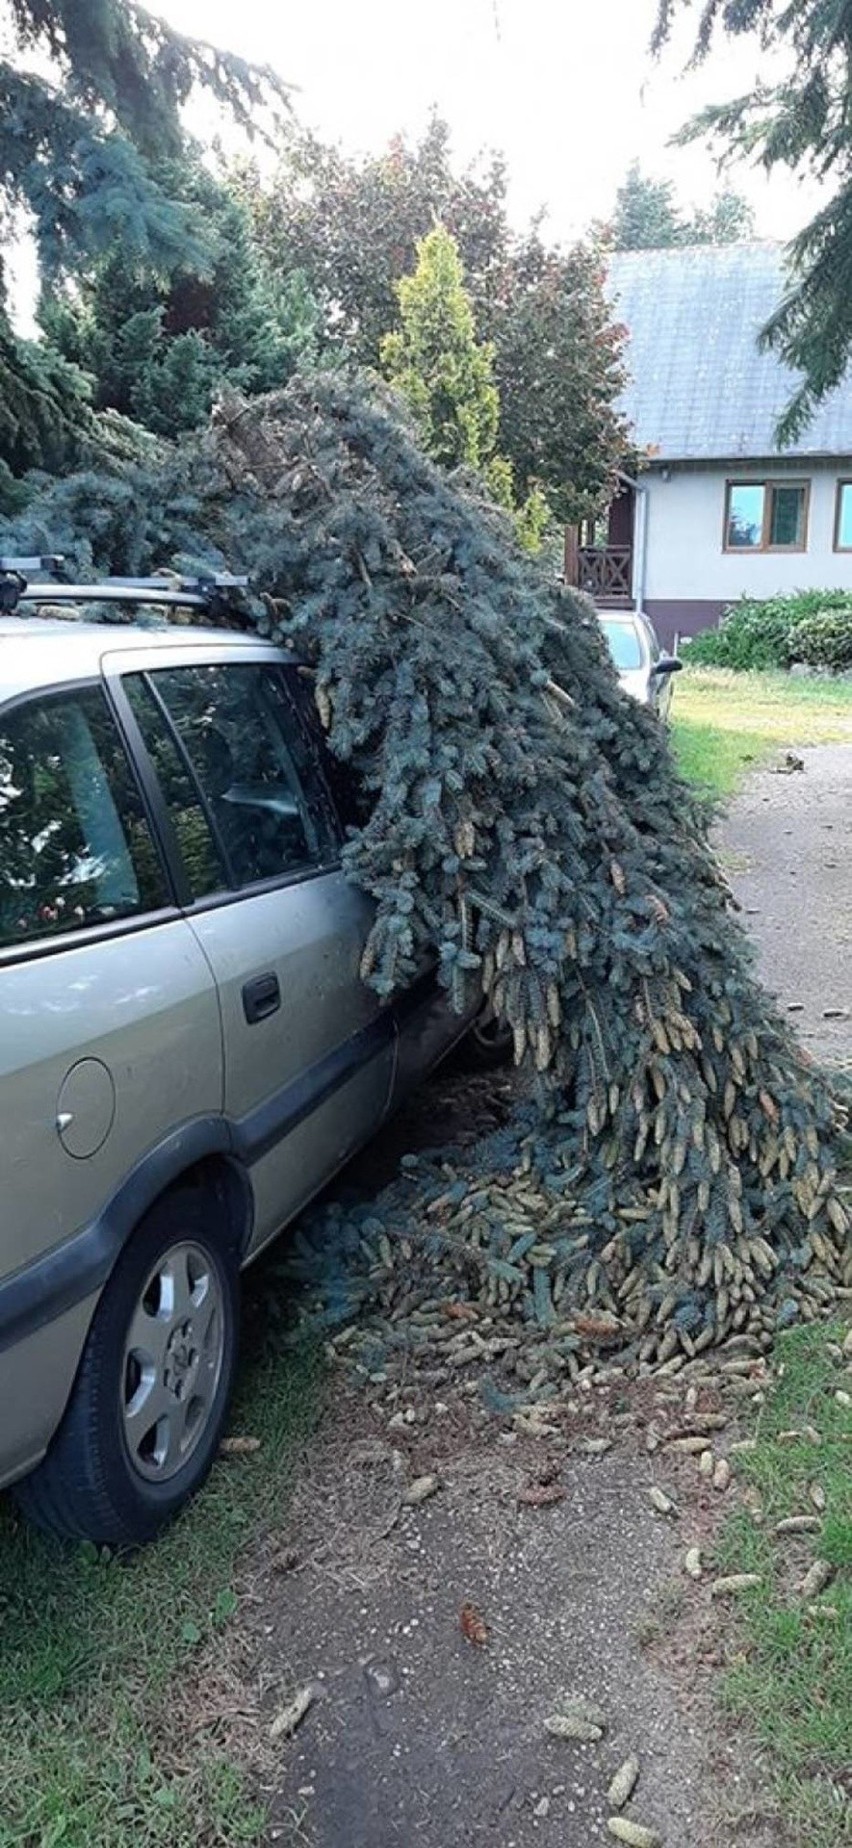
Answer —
791 1684
725 723
100 1741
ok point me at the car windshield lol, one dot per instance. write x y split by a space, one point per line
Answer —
623 642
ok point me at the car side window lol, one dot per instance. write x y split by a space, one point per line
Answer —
203 861
75 845
253 767
351 801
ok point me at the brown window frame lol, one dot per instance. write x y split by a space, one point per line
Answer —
769 483
843 481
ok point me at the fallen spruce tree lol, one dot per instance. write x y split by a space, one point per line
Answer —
677 1174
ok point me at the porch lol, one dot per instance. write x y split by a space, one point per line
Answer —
599 554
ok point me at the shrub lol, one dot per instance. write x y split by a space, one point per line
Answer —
824 640
766 632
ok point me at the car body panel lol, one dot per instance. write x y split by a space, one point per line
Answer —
143 1005
310 936
36 1375
38 652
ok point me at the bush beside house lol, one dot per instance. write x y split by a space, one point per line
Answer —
813 627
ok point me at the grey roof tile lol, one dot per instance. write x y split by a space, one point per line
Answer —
699 388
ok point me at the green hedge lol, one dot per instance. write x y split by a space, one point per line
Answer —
814 626
824 640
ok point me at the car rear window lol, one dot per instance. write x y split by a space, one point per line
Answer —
75 846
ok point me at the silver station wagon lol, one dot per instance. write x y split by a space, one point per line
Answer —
187 1052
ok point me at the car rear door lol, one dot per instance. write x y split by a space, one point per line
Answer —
309 1051
109 1021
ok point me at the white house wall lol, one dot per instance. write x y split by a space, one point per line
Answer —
690 578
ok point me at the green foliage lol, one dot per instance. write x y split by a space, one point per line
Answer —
118 56
438 364
558 370
75 162
157 341
728 219
647 217
802 122
790 1681
353 228
43 406
766 632
824 639
523 819
533 521
447 377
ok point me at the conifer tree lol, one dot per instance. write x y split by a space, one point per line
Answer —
523 819
646 216
75 161
438 364
447 376
157 341
801 121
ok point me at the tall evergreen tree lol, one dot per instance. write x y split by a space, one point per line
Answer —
158 342
447 374
75 154
647 216
802 122
436 361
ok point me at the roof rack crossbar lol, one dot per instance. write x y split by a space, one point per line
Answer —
141 586
111 593
175 591
22 567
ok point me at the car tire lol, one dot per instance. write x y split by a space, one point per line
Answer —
151 1395
489 1044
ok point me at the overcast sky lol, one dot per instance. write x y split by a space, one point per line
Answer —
566 88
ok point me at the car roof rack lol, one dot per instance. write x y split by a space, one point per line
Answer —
27 580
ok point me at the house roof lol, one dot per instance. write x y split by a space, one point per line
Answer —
699 388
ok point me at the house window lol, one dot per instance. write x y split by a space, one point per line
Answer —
843 518
767 516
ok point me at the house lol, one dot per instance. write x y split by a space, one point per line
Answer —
716 510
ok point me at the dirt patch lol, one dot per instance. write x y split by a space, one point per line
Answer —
418 1734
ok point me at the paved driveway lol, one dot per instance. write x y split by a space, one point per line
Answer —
787 844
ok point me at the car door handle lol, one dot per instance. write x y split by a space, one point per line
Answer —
261 997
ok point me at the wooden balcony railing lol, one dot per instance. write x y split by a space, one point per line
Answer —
605 572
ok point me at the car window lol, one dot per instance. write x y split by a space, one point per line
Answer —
75 845
351 801
203 861
253 767
623 644
653 641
